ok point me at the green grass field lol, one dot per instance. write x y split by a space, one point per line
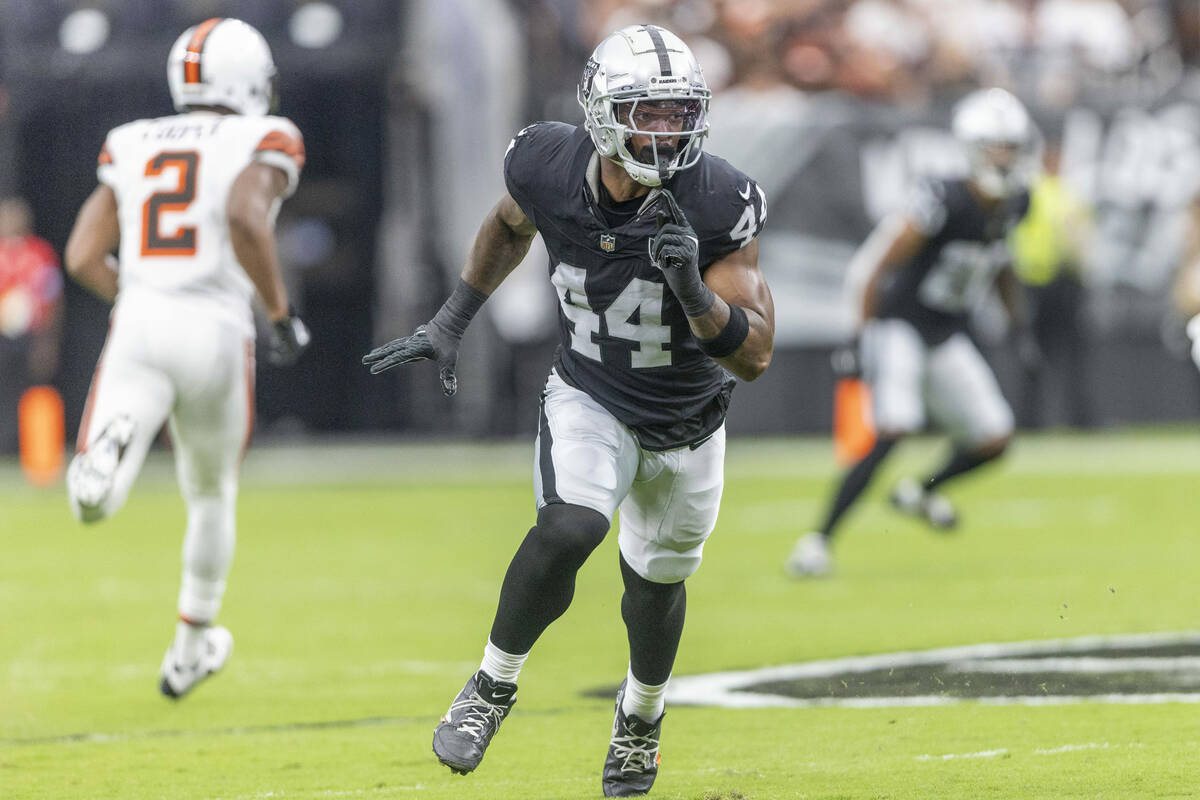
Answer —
366 578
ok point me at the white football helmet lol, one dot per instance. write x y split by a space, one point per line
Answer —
1000 139
222 62
644 74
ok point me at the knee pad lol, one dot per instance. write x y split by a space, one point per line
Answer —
669 568
995 448
569 531
641 589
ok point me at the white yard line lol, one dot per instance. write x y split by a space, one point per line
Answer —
1041 751
1074 748
952 756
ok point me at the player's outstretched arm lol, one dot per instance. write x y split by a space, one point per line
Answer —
251 212
97 232
502 241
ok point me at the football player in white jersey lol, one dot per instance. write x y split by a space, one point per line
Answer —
191 199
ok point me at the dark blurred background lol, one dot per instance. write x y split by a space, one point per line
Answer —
407 106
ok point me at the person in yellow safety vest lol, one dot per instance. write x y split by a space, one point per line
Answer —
1049 249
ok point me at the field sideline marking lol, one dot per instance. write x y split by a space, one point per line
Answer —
374 462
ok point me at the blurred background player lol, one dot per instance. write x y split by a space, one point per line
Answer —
927 270
192 200
30 313
654 260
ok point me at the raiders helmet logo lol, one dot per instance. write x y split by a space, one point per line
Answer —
589 72
608 242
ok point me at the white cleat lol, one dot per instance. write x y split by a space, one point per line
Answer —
179 679
911 498
92 473
810 557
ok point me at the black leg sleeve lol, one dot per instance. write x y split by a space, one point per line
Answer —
540 581
653 614
856 482
960 462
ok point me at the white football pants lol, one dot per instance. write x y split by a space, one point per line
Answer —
668 499
951 381
168 359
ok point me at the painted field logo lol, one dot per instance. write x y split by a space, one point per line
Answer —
1142 668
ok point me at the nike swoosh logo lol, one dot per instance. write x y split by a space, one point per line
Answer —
746 194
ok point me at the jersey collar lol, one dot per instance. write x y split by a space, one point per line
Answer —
592 178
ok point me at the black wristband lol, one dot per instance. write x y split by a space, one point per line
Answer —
731 336
456 313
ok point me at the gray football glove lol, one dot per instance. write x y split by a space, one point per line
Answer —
423 345
289 339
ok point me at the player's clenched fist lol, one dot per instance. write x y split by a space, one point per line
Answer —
289 339
675 250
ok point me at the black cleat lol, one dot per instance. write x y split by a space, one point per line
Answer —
632 763
473 719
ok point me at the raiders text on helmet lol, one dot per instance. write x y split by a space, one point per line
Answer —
638 77
222 62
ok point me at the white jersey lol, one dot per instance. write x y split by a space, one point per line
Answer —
172 178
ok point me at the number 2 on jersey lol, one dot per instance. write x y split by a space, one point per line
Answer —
183 241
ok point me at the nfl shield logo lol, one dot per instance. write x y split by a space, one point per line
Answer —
608 242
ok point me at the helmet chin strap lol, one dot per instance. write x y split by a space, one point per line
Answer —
664 166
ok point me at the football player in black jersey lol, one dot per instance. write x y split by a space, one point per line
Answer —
927 269
654 259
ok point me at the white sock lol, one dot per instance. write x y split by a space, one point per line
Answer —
189 642
644 701
500 665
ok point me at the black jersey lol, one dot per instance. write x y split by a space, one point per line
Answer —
624 337
967 248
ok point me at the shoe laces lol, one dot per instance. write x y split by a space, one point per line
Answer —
480 716
638 752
